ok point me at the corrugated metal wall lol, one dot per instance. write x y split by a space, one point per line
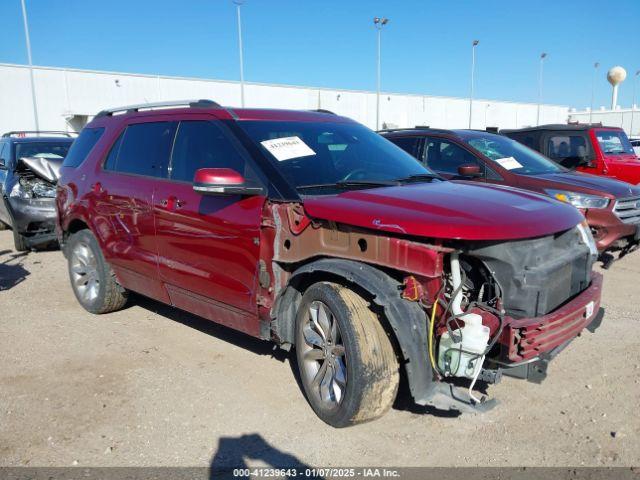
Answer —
66 95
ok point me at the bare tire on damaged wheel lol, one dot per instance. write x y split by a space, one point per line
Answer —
19 241
348 366
92 279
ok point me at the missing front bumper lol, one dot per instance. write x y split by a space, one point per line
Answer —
535 370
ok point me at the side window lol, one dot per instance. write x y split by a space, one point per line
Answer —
3 156
408 144
110 162
81 146
445 157
202 144
567 149
143 149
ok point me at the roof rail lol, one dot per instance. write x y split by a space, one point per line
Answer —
322 110
202 103
388 130
46 133
417 127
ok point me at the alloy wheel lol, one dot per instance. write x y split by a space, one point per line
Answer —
323 355
84 272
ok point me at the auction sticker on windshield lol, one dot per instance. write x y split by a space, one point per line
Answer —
509 163
287 148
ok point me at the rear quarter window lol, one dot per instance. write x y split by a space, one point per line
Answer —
82 146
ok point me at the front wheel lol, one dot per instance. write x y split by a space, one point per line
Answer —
19 241
92 279
348 367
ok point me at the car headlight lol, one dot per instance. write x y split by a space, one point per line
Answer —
587 238
18 191
579 200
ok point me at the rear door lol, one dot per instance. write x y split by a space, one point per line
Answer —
207 245
123 201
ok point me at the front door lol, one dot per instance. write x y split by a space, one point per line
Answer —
445 157
207 245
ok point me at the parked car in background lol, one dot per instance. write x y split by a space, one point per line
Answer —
29 169
588 148
611 207
635 143
312 231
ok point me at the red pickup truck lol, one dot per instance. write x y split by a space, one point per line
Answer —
589 148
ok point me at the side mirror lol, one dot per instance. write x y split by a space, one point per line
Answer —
223 181
469 170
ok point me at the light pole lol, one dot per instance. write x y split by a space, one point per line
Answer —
473 71
379 22
542 57
593 87
238 3
28 42
633 103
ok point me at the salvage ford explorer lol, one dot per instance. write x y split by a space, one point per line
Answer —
310 230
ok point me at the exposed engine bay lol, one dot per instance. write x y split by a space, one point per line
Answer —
36 177
30 197
489 282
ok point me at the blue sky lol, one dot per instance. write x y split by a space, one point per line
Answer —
331 43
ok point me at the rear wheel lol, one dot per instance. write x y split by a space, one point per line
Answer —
347 364
92 279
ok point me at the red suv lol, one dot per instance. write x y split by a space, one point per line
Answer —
309 230
588 148
611 207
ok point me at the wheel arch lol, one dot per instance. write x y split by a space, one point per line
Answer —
405 321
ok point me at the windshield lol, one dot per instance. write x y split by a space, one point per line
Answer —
314 156
513 156
613 142
56 150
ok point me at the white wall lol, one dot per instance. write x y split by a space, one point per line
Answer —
612 118
63 93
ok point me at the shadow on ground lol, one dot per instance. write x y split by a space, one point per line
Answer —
12 272
249 451
239 339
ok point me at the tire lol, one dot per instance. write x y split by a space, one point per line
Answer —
92 279
354 378
19 241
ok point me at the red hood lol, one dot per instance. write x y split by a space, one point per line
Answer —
452 210
624 167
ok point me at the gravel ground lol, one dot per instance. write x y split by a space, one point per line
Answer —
151 385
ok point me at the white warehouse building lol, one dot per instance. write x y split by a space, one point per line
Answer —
626 118
68 98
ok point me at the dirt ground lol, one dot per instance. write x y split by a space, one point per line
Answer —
151 385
